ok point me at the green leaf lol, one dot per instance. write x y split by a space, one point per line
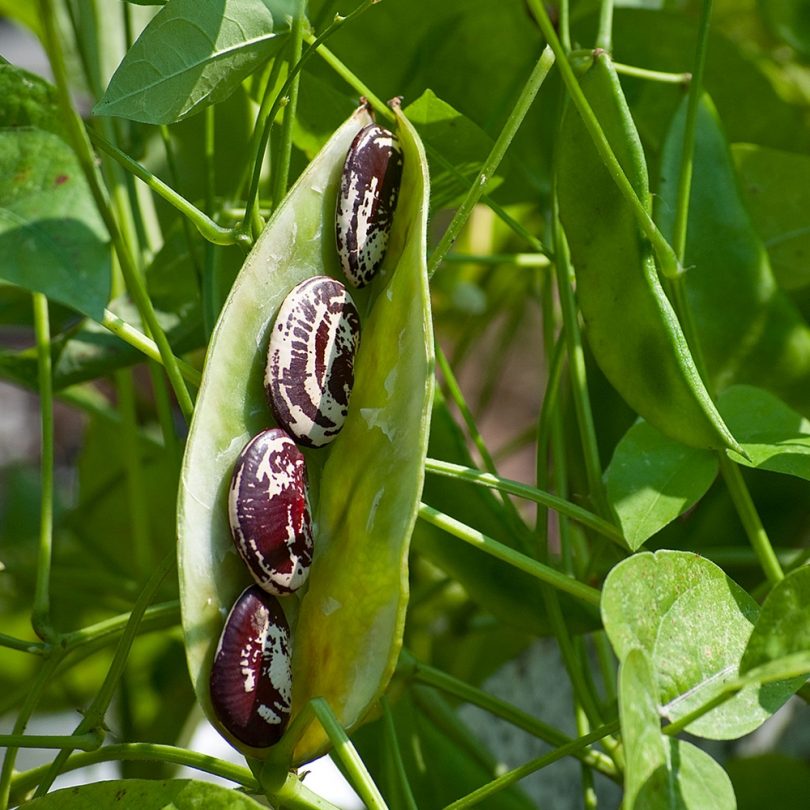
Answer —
146 794
694 623
28 101
192 55
364 488
783 627
789 20
52 239
776 190
662 773
652 479
775 437
458 140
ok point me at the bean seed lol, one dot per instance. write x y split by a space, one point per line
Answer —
367 199
269 512
310 361
251 678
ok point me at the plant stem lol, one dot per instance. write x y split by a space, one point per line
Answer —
23 782
450 685
652 75
517 259
583 516
749 516
604 36
349 77
577 370
544 573
84 742
205 225
129 334
31 647
133 472
41 612
670 266
515 775
359 776
84 153
281 166
32 696
94 714
265 123
687 156
392 744
165 614
493 160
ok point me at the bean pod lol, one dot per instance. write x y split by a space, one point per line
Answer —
269 512
646 356
367 199
310 360
250 679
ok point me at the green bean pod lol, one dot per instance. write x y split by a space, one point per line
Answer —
750 331
347 621
632 329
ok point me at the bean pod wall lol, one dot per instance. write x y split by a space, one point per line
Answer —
347 621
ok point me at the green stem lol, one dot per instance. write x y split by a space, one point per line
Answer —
747 511
163 407
604 36
84 742
160 616
583 516
668 260
32 695
380 107
31 647
266 123
515 775
516 259
687 156
294 794
392 743
41 613
84 153
94 714
493 160
652 75
544 573
25 781
129 334
359 776
281 166
137 502
450 685
577 370
205 225
565 25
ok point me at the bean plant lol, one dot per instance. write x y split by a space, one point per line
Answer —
580 420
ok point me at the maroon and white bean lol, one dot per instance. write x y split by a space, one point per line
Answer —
269 512
251 678
310 361
367 199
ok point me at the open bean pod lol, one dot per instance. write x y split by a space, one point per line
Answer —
346 627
